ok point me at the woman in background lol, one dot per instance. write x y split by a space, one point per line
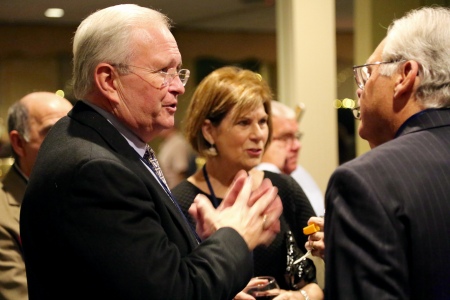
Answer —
228 122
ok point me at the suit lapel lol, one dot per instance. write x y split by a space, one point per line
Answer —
84 114
153 184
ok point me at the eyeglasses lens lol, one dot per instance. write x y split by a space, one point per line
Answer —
361 75
183 74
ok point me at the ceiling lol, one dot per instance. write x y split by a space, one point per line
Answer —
221 15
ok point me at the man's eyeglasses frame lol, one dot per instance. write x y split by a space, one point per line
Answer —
361 75
168 76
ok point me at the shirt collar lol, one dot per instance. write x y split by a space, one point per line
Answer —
136 143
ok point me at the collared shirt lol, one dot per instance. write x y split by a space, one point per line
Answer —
136 143
140 147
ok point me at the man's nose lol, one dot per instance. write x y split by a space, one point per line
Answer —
176 86
296 145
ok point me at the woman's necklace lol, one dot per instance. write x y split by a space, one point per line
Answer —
214 200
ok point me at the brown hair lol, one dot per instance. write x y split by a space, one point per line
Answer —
220 92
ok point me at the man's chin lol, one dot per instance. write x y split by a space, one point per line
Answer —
168 123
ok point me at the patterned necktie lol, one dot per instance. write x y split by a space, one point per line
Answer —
151 158
154 165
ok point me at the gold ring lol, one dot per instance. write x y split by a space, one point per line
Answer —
264 222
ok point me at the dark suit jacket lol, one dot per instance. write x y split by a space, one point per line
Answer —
387 220
95 224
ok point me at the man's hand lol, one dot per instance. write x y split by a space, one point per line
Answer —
315 241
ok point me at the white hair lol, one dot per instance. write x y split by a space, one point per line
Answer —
105 36
423 35
280 110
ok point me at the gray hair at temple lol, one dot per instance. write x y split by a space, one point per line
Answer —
423 35
105 36
280 110
18 120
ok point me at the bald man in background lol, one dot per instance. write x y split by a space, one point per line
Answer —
29 120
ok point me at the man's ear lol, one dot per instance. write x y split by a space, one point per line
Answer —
17 143
407 77
207 131
107 81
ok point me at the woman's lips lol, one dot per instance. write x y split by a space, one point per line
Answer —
254 152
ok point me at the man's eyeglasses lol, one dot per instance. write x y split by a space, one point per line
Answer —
168 76
289 137
362 72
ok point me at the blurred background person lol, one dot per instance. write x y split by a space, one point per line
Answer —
283 152
175 156
29 120
228 122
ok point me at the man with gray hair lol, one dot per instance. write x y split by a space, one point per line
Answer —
29 120
282 154
98 220
387 218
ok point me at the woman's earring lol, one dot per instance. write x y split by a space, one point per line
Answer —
212 151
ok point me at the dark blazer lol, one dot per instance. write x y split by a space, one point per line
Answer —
387 220
96 224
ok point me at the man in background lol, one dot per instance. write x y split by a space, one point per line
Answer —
387 218
282 154
29 120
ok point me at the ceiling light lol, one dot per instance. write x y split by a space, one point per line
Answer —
54 13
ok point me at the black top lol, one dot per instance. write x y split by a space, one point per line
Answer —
296 212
